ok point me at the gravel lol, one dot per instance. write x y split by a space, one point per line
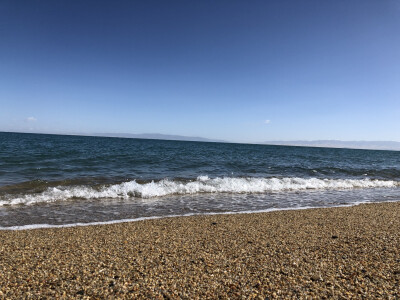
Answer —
350 252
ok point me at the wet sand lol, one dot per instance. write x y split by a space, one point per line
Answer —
351 252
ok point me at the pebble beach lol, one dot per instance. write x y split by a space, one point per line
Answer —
347 252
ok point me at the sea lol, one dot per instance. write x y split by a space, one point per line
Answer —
63 180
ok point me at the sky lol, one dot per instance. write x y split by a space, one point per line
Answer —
245 71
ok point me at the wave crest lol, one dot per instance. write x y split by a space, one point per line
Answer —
203 184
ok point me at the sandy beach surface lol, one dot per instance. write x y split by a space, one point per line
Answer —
351 252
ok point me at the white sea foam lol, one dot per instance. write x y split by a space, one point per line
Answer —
202 184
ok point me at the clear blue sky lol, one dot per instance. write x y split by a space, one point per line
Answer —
234 70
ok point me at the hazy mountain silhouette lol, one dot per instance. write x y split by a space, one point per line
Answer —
158 136
376 145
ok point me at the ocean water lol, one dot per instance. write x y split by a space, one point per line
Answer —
56 180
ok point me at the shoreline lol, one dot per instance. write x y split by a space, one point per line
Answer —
122 221
351 251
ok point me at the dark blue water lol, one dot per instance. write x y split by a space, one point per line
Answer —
55 179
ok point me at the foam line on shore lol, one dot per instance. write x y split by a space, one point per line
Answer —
44 226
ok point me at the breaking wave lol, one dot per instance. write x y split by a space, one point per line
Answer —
203 184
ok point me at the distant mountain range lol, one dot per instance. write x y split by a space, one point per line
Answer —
376 145
372 145
158 136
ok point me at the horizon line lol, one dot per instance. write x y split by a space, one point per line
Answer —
211 140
